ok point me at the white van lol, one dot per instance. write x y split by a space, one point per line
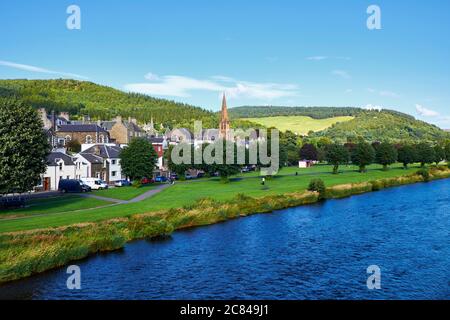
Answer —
95 183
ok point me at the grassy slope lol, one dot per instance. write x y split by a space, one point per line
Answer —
186 193
54 205
299 124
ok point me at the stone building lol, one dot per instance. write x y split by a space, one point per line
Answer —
122 131
83 133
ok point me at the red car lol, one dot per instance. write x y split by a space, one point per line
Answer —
147 181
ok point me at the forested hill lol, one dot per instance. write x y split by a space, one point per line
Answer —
384 126
273 111
101 102
372 125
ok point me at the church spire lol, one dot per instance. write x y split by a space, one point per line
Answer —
224 121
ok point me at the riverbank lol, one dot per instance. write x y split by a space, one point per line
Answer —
26 253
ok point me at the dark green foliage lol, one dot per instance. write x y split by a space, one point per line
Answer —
308 152
386 154
407 154
439 154
425 154
138 159
363 155
23 147
336 155
73 146
317 185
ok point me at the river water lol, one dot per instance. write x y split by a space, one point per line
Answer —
319 251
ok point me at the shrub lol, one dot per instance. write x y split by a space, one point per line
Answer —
424 173
136 184
317 185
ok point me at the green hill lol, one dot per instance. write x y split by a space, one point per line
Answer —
371 125
101 102
299 124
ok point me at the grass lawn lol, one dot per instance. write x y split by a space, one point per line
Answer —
185 193
300 124
54 205
124 193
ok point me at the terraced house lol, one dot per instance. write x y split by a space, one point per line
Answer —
83 133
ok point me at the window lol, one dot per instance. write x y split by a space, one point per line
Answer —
102 138
113 161
60 166
114 173
88 139
68 177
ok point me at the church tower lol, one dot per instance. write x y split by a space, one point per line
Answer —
224 121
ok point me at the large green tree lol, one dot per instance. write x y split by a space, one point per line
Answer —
363 155
336 155
23 147
407 155
425 153
386 154
439 153
138 160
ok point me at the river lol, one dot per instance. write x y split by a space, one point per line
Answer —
319 251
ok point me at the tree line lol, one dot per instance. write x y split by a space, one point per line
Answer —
363 154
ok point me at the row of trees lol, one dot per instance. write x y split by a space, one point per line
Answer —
363 154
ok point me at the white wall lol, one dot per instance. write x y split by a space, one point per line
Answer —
55 173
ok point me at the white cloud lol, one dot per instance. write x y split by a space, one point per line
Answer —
181 86
152 77
25 67
316 58
384 93
422 111
341 73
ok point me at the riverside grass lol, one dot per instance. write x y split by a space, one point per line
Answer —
25 253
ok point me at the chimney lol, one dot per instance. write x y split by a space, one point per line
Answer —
99 123
119 119
134 120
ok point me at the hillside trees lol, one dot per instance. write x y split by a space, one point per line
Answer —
336 155
386 154
363 155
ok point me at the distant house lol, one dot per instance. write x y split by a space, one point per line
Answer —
121 131
100 161
59 166
51 121
83 133
179 135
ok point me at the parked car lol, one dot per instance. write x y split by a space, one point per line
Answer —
73 186
122 183
161 179
188 176
147 181
95 183
173 176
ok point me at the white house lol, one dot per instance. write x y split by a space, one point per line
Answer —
59 166
100 161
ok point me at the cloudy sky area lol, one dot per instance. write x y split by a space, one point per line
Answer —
260 53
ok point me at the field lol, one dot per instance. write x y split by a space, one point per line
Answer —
186 193
299 124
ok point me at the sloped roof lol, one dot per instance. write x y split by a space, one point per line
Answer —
54 157
80 128
105 151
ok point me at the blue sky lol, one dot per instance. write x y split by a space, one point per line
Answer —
260 52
